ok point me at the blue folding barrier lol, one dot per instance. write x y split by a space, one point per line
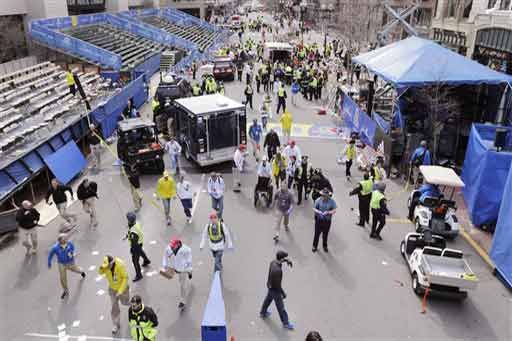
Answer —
213 327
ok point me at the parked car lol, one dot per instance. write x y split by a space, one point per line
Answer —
223 68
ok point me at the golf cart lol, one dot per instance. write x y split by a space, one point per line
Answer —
138 144
443 271
436 214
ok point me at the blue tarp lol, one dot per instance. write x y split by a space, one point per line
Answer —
357 120
501 250
484 172
418 62
66 163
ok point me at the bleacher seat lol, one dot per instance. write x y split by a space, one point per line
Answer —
132 49
201 36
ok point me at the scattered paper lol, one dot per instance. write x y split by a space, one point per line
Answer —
200 263
153 242
82 338
95 253
49 309
92 268
76 323
102 317
62 334
61 326
204 191
253 323
100 292
64 338
98 278
151 273
384 263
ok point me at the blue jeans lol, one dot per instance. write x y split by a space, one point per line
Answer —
174 162
218 260
187 205
167 207
276 296
218 205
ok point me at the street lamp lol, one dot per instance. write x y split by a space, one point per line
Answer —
303 7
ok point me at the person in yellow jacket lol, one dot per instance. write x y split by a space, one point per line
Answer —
350 156
165 191
286 125
279 166
115 272
70 81
143 320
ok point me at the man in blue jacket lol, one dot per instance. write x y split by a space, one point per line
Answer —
65 252
255 132
421 156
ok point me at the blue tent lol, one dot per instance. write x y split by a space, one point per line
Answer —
420 62
501 250
485 172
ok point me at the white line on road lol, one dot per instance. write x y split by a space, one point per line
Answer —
196 199
78 337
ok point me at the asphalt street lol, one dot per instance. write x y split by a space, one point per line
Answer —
360 290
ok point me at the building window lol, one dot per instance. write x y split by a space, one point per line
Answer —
451 8
491 4
505 5
468 4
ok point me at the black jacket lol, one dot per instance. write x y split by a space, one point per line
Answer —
271 140
58 194
146 315
275 276
133 176
27 219
84 193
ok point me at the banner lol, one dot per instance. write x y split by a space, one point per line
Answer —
357 120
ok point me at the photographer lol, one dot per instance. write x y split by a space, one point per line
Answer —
275 291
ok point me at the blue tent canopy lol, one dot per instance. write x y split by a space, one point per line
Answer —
420 62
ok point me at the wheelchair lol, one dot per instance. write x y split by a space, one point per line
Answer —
264 191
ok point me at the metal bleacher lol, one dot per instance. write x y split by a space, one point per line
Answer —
132 49
203 37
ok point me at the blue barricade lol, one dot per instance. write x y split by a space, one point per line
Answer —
358 120
149 67
213 327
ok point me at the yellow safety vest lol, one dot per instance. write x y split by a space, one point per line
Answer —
221 91
138 231
280 92
377 196
142 331
313 83
216 236
154 104
196 90
70 80
366 187
377 176
351 152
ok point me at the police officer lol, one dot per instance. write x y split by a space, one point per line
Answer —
155 105
364 194
136 237
379 210
303 180
196 90
281 99
313 83
142 320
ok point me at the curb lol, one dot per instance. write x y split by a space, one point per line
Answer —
477 248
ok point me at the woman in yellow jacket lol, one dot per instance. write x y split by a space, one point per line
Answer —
279 165
165 191
115 272
350 155
286 125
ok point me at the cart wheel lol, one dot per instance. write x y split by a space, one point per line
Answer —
402 248
416 286
255 199
419 229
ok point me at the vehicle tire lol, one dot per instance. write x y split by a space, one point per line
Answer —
160 166
402 248
186 153
255 200
409 202
416 286
417 226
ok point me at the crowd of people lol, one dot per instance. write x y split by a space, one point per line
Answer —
280 161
